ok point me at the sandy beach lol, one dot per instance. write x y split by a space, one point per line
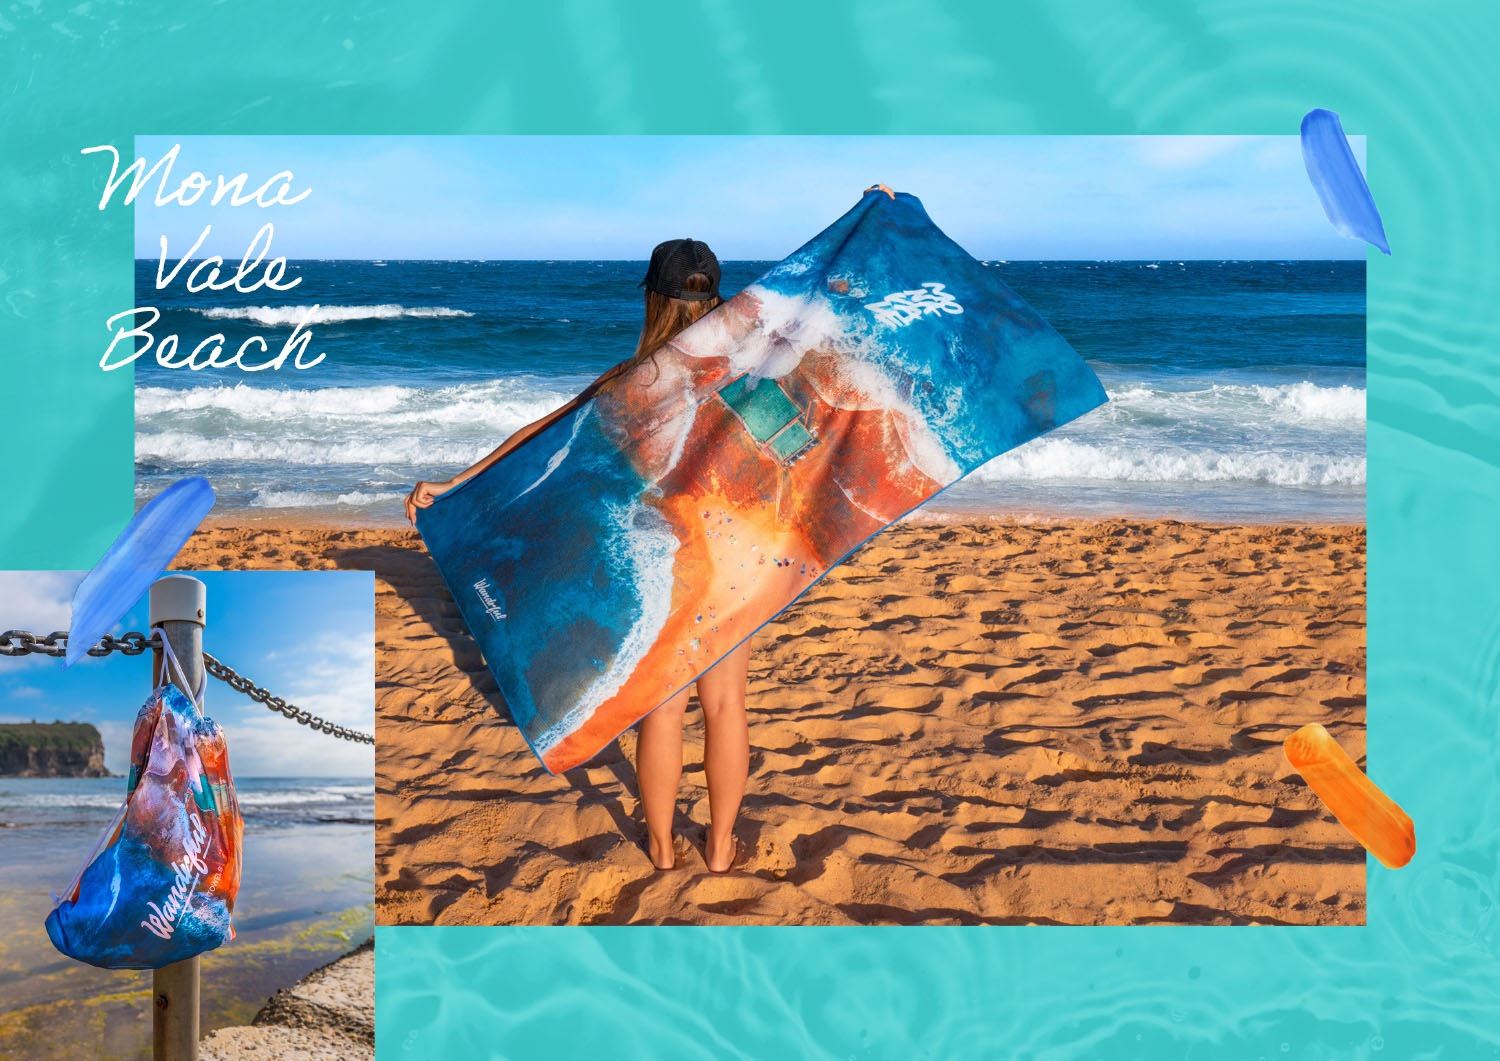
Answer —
1065 723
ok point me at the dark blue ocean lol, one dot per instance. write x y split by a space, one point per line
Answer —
1237 388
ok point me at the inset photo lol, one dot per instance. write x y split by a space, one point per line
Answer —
808 530
187 818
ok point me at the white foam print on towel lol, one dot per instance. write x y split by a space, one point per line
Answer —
644 545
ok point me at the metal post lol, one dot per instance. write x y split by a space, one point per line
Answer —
177 604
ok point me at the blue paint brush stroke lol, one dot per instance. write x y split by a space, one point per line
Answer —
137 558
1339 183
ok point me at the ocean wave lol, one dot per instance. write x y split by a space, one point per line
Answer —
185 449
509 402
111 800
102 801
338 795
1311 402
348 447
1063 458
271 403
1303 404
287 316
514 401
314 499
379 426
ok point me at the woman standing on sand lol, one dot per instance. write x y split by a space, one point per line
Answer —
682 285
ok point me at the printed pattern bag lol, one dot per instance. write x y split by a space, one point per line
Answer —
161 883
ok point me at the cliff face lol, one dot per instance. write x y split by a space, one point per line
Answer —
51 749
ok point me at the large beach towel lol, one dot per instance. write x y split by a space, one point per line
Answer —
620 553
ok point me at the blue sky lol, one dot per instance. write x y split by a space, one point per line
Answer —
1010 197
307 636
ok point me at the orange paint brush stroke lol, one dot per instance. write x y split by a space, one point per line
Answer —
1372 816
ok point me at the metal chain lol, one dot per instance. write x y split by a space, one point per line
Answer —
276 703
25 643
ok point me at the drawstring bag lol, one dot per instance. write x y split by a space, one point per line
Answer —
161 882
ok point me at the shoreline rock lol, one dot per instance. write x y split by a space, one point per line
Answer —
328 1014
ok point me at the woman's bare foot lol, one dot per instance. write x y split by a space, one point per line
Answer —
671 858
719 852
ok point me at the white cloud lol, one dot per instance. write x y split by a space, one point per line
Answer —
18 718
273 746
40 601
336 684
335 680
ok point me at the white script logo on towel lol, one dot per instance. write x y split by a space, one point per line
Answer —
491 607
900 308
162 921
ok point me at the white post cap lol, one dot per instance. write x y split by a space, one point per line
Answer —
178 598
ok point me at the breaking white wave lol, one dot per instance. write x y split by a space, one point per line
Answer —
22 798
341 447
296 797
185 449
1302 404
288 316
266 403
1064 458
504 404
313 499
352 447
1311 402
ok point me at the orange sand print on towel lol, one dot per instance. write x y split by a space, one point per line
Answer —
753 532
1372 816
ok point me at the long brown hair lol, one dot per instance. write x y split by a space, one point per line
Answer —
665 317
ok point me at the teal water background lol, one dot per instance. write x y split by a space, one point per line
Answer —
1421 979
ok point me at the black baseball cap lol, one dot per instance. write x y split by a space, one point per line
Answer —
674 261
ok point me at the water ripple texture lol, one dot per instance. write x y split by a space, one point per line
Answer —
1420 979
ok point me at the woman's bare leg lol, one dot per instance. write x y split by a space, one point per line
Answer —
726 751
658 768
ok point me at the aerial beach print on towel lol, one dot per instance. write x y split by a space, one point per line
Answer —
623 551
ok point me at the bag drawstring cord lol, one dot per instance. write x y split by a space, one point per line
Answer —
181 678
